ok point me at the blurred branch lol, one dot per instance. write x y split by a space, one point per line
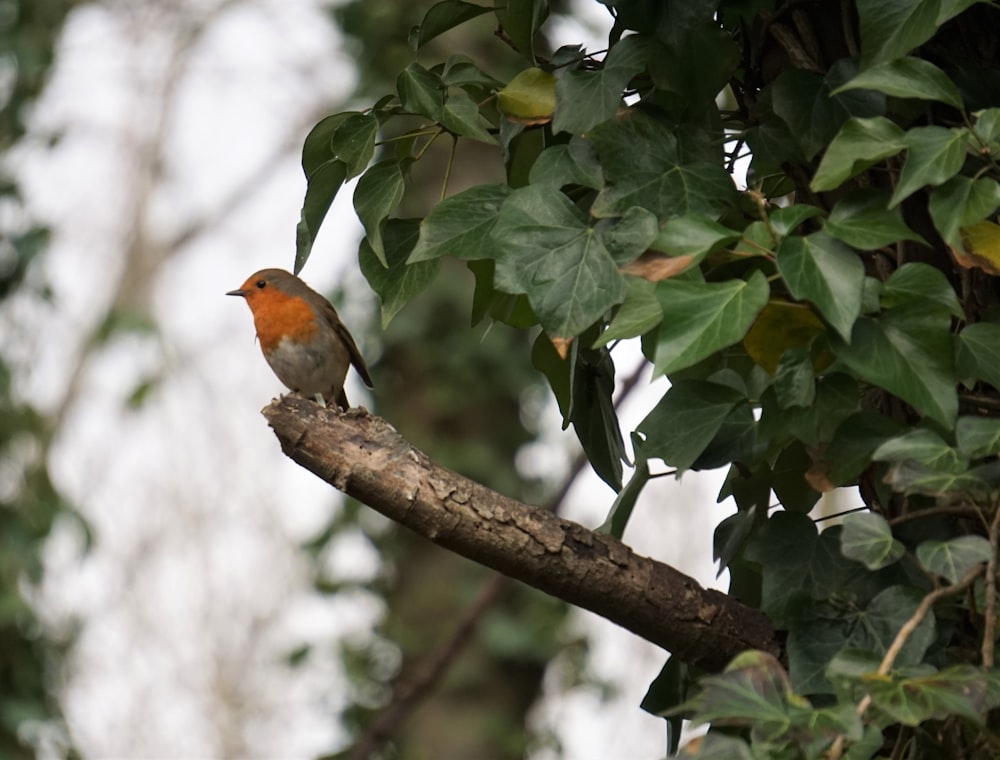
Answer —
363 456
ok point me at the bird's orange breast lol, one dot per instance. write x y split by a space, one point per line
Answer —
277 315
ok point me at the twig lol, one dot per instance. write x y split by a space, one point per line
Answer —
837 748
989 628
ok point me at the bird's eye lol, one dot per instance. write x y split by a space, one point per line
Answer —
261 284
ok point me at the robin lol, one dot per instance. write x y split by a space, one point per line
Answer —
301 335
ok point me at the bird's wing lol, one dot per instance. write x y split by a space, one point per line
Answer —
356 359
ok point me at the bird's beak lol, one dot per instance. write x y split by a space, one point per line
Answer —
239 292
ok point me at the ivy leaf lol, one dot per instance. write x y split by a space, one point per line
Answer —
933 156
959 690
322 187
882 619
908 78
684 422
420 91
521 20
376 195
460 226
443 16
573 163
962 202
954 558
867 538
585 98
639 313
825 272
807 104
700 318
643 167
461 116
859 144
890 30
547 250
864 220
916 282
977 353
907 351
977 437
397 284
529 98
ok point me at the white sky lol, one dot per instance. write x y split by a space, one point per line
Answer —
194 589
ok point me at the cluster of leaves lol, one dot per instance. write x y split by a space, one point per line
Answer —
833 325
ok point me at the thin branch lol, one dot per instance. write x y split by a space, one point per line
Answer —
989 629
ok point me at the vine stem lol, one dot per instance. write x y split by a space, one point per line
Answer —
990 625
837 748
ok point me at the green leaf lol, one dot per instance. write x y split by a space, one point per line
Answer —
963 690
376 195
789 482
784 221
701 318
922 284
460 226
592 412
443 16
397 284
321 188
908 476
694 236
573 163
933 156
825 272
892 28
628 237
977 353
586 97
529 98
864 220
521 20
859 144
639 313
867 538
684 422
908 78
420 91
547 251
794 379
977 437
924 447
487 301
643 167
752 691
907 351
461 116
879 624
962 202
806 103
616 521
854 442
317 148
354 142
954 558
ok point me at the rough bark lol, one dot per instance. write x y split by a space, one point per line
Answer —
363 456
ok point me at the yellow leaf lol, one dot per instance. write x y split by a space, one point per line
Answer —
779 326
529 98
982 247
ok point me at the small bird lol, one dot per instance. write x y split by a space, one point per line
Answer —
301 335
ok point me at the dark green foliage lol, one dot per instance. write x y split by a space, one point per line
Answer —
834 324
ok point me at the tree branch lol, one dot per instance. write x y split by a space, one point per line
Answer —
363 456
